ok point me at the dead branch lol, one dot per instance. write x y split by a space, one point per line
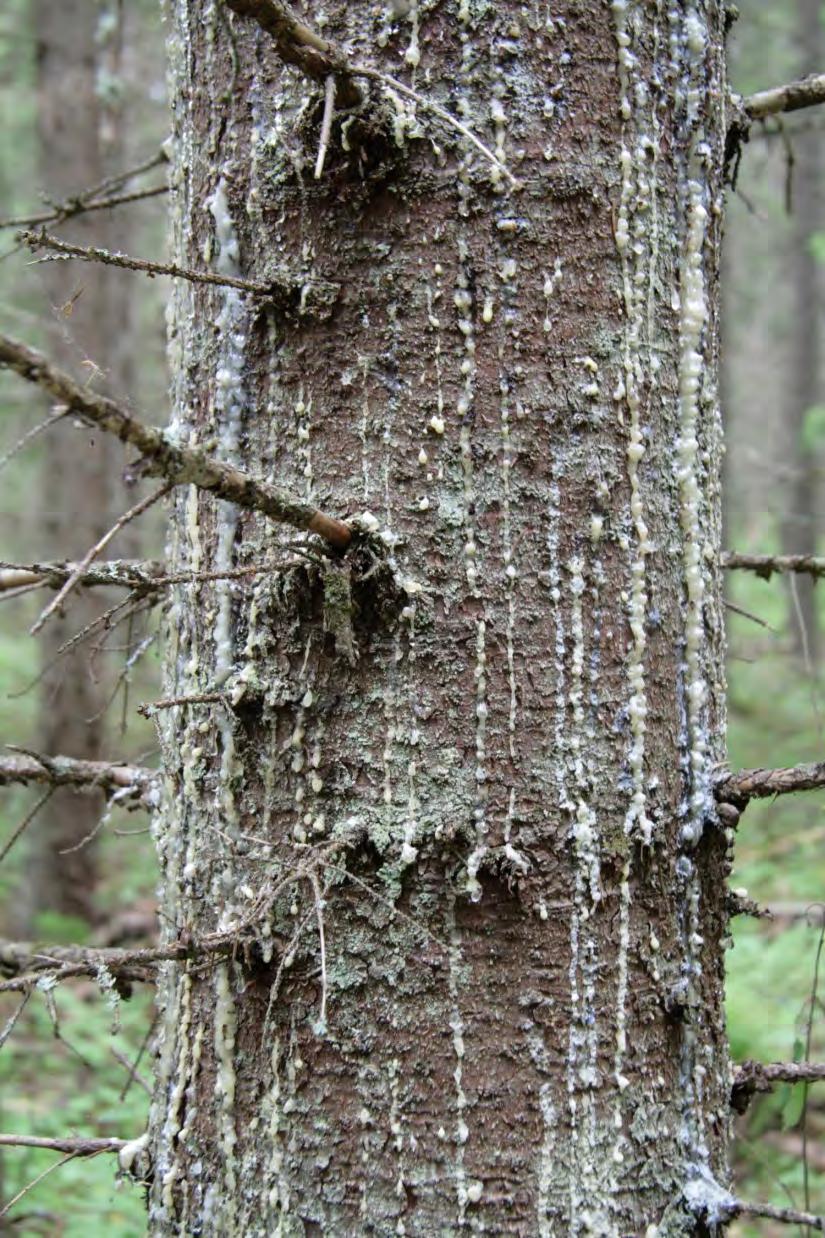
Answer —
140 575
297 45
161 457
78 1147
808 92
320 59
31 768
25 963
752 1077
766 565
750 784
149 708
67 210
42 240
788 1216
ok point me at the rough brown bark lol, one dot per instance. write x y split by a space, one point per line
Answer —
499 1009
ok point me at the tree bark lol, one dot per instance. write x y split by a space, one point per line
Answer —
489 998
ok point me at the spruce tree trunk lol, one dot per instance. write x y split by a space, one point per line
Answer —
514 1023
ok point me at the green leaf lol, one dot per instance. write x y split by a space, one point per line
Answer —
794 1106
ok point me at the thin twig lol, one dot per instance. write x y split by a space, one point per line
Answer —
134 1077
102 190
144 1045
58 771
788 1216
93 551
24 824
326 125
27 438
750 784
41 240
164 458
808 92
149 708
12 1020
69 209
35 1182
747 614
77 1147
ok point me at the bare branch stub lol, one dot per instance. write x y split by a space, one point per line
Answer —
748 784
161 457
752 1077
807 92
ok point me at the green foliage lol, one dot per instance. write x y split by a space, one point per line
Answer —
777 715
60 1085
813 430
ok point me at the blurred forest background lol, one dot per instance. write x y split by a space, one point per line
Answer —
82 99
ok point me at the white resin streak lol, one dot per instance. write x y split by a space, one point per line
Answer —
457 1027
689 46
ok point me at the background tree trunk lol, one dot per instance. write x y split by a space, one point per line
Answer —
804 393
89 314
499 806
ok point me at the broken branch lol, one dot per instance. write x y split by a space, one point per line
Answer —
31 768
750 784
752 1077
766 565
163 458
808 92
